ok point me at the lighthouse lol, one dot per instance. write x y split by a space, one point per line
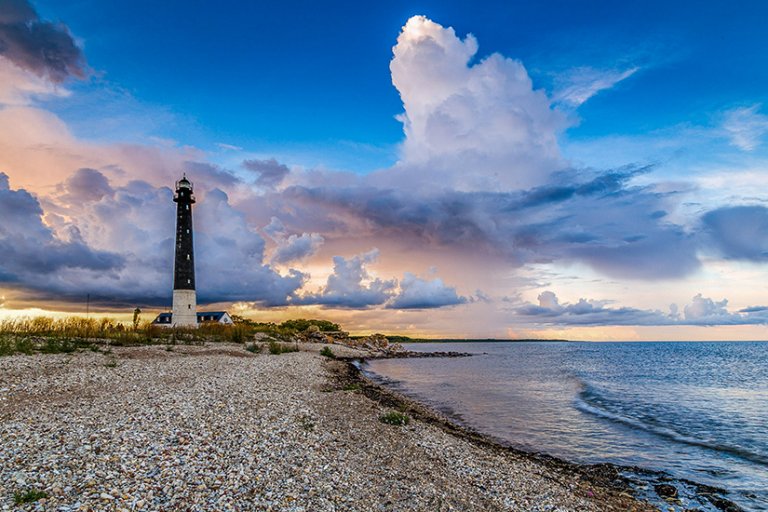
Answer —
184 298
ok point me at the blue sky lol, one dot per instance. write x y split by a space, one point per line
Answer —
315 76
589 170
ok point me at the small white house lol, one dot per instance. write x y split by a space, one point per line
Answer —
203 317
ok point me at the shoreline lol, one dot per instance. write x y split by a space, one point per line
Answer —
608 475
217 427
605 476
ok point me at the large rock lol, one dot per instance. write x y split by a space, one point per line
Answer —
666 491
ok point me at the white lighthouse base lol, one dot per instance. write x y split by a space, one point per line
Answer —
184 308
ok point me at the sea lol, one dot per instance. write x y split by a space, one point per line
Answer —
685 412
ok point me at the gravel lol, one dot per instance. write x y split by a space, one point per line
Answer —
219 428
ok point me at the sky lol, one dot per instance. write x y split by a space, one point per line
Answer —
580 170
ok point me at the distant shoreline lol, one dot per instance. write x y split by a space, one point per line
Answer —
407 339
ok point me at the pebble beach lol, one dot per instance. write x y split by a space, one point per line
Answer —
216 427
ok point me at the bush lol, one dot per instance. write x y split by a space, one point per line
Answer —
281 348
327 352
253 348
394 418
301 325
57 346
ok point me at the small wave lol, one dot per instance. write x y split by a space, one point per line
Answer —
586 402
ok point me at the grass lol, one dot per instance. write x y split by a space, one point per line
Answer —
29 496
281 348
327 352
29 335
394 418
351 387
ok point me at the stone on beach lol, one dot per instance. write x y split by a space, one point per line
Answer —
219 428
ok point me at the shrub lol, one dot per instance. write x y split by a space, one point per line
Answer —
253 348
57 346
25 346
281 348
327 352
301 325
394 418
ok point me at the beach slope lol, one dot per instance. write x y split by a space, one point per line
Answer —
217 428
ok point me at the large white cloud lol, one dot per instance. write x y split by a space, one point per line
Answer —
469 125
419 293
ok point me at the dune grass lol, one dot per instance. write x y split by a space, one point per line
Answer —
29 335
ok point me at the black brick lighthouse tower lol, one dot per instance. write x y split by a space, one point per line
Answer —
184 297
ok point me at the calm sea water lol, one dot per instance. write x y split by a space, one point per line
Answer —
698 411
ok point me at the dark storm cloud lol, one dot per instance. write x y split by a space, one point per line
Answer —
738 232
44 48
135 222
604 222
270 172
31 254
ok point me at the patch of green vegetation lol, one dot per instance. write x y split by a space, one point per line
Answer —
253 348
57 346
7 346
395 418
327 352
301 325
29 496
281 348
351 387
307 423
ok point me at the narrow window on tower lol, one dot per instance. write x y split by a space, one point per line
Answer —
189 281
187 231
187 207
187 257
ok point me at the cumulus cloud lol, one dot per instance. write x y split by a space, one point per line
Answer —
480 170
291 247
418 293
701 311
469 125
351 285
270 172
44 48
581 84
116 243
87 185
745 127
